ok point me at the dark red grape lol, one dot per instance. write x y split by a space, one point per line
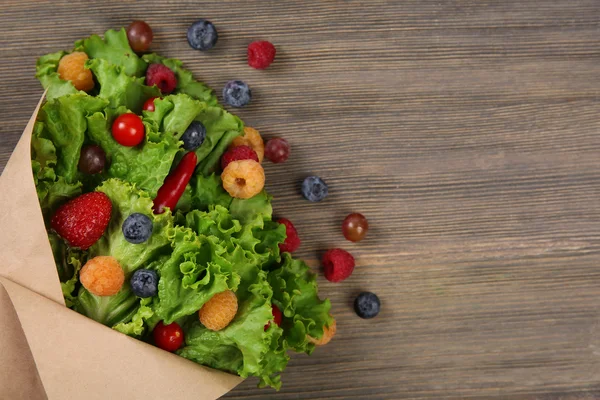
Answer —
355 227
277 150
92 159
140 36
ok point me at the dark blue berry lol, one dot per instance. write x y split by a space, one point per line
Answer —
202 35
194 136
367 305
237 93
137 228
144 283
314 188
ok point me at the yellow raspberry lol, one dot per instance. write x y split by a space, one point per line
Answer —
71 68
252 139
102 276
243 179
328 334
219 311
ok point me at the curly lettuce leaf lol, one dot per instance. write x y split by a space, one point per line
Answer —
243 347
304 313
115 49
52 190
119 88
207 191
195 271
127 199
185 81
137 326
108 310
258 239
68 263
174 113
146 165
65 124
248 209
46 71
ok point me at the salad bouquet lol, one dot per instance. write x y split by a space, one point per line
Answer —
154 203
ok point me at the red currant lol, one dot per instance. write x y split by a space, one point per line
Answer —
277 150
355 227
140 36
168 337
149 104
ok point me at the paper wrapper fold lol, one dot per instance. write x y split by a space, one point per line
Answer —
48 351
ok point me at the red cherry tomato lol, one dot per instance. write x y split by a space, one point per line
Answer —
168 337
149 104
277 316
128 130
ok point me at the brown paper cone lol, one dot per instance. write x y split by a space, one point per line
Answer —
50 351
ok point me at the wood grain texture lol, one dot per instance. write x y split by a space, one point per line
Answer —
467 132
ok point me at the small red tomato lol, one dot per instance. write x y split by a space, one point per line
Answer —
128 130
168 337
149 104
277 316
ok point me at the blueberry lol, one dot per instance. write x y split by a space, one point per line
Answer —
237 94
202 35
137 228
194 136
367 305
314 188
144 283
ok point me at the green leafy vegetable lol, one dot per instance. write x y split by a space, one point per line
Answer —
295 293
185 81
46 72
147 166
119 88
115 49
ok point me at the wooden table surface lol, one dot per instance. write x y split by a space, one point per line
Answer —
467 132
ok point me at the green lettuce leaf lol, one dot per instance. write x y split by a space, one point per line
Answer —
115 49
137 326
68 263
258 239
243 345
108 310
248 209
174 113
295 293
46 72
207 191
146 165
119 88
65 124
185 81
126 199
195 271
52 190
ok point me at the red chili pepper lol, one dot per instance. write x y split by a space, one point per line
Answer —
169 193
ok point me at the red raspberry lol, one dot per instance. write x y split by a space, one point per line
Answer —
83 220
260 54
338 265
238 153
161 76
292 241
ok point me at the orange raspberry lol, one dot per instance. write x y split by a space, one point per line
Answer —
102 276
71 68
252 139
243 179
328 334
219 311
